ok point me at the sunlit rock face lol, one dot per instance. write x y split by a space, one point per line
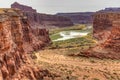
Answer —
107 31
17 39
103 23
113 41
42 20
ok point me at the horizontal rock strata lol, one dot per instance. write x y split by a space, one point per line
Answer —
42 20
107 31
17 39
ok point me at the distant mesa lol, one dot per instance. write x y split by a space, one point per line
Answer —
79 17
24 8
85 17
110 10
42 20
59 19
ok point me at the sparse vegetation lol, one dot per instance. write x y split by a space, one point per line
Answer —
83 42
85 77
77 68
95 79
55 36
92 61
75 27
58 58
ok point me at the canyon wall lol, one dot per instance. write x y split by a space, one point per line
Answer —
103 23
107 31
79 17
113 41
60 19
17 39
24 8
42 20
85 17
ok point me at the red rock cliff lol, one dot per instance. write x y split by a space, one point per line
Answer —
15 37
106 30
44 20
23 7
113 41
103 23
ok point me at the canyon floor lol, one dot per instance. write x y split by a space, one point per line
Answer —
78 68
58 58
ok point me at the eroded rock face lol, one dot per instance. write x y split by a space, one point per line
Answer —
15 34
11 50
113 41
34 38
23 7
103 23
42 20
109 41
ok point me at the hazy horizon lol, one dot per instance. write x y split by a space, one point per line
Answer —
61 6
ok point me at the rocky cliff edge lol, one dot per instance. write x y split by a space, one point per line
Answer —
17 39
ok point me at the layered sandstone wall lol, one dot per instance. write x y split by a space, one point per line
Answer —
23 7
17 39
44 20
11 50
34 38
103 23
106 30
113 41
87 17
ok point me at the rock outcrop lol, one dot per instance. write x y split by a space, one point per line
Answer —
24 8
42 20
103 23
15 37
113 41
107 31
